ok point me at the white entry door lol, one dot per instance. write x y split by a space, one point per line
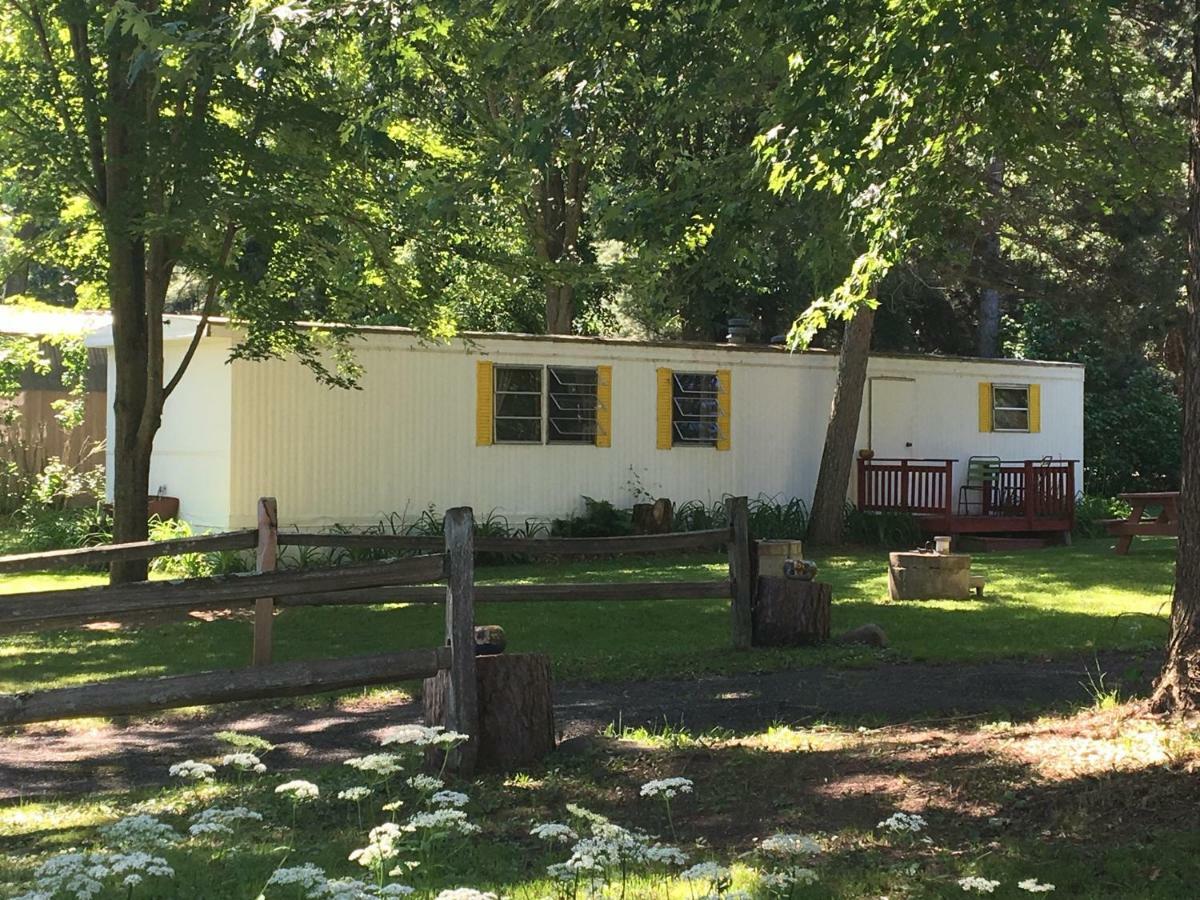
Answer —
893 416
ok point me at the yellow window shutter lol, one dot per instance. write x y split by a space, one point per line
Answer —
985 406
1035 408
724 407
603 406
664 409
484 409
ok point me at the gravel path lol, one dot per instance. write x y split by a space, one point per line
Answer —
53 759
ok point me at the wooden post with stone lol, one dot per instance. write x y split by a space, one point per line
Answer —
741 575
266 558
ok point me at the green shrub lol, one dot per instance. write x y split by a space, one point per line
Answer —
893 530
599 519
193 565
41 529
1090 511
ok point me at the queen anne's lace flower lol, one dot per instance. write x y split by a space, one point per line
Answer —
216 820
382 845
441 820
667 856
197 771
554 832
299 790
706 871
449 798
465 894
426 784
975 883
900 822
1033 886
786 879
417 735
355 794
140 831
84 875
789 845
244 762
667 787
381 765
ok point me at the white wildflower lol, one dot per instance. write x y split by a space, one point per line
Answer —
381 765
554 832
1033 886
306 877
197 771
355 794
441 820
299 790
244 762
382 845
140 831
786 879
899 822
706 871
667 856
789 845
216 820
449 798
426 784
417 735
975 883
393 806
465 894
447 739
667 787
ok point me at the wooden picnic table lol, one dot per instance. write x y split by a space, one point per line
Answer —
1165 523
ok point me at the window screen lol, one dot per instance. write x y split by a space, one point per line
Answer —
694 407
1010 407
518 393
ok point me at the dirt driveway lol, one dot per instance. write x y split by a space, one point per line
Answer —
61 759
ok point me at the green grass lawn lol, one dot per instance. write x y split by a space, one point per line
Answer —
1042 603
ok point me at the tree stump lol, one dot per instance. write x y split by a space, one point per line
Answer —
654 518
790 613
516 708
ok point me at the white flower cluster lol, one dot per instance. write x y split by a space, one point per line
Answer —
355 794
382 845
423 736
426 784
449 798
789 845
554 833
901 822
190 769
219 821
783 880
447 820
667 787
244 762
1033 886
311 882
84 875
465 894
299 790
977 884
707 871
381 765
139 832
609 847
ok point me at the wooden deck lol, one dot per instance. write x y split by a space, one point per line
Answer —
1020 497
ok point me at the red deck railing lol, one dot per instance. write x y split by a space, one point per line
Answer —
1017 489
919 486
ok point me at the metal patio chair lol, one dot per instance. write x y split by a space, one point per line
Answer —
981 470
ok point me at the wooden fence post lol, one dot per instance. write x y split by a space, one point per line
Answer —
265 560
740 575
462 705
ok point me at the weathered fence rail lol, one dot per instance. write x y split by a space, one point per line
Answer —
448 560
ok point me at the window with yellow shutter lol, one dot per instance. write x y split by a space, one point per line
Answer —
545 404
1011 408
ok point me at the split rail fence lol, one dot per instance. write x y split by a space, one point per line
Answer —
442 572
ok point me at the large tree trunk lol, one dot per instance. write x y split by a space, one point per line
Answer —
988 333
554 218
829 501
1178 688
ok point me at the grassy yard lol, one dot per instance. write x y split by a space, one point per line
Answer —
1100 804
1057 601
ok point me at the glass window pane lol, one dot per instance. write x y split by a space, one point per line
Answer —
571 410
694 408
525 405
518 379
1010 398
1011 420
522 430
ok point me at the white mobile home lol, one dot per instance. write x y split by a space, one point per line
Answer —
526 425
